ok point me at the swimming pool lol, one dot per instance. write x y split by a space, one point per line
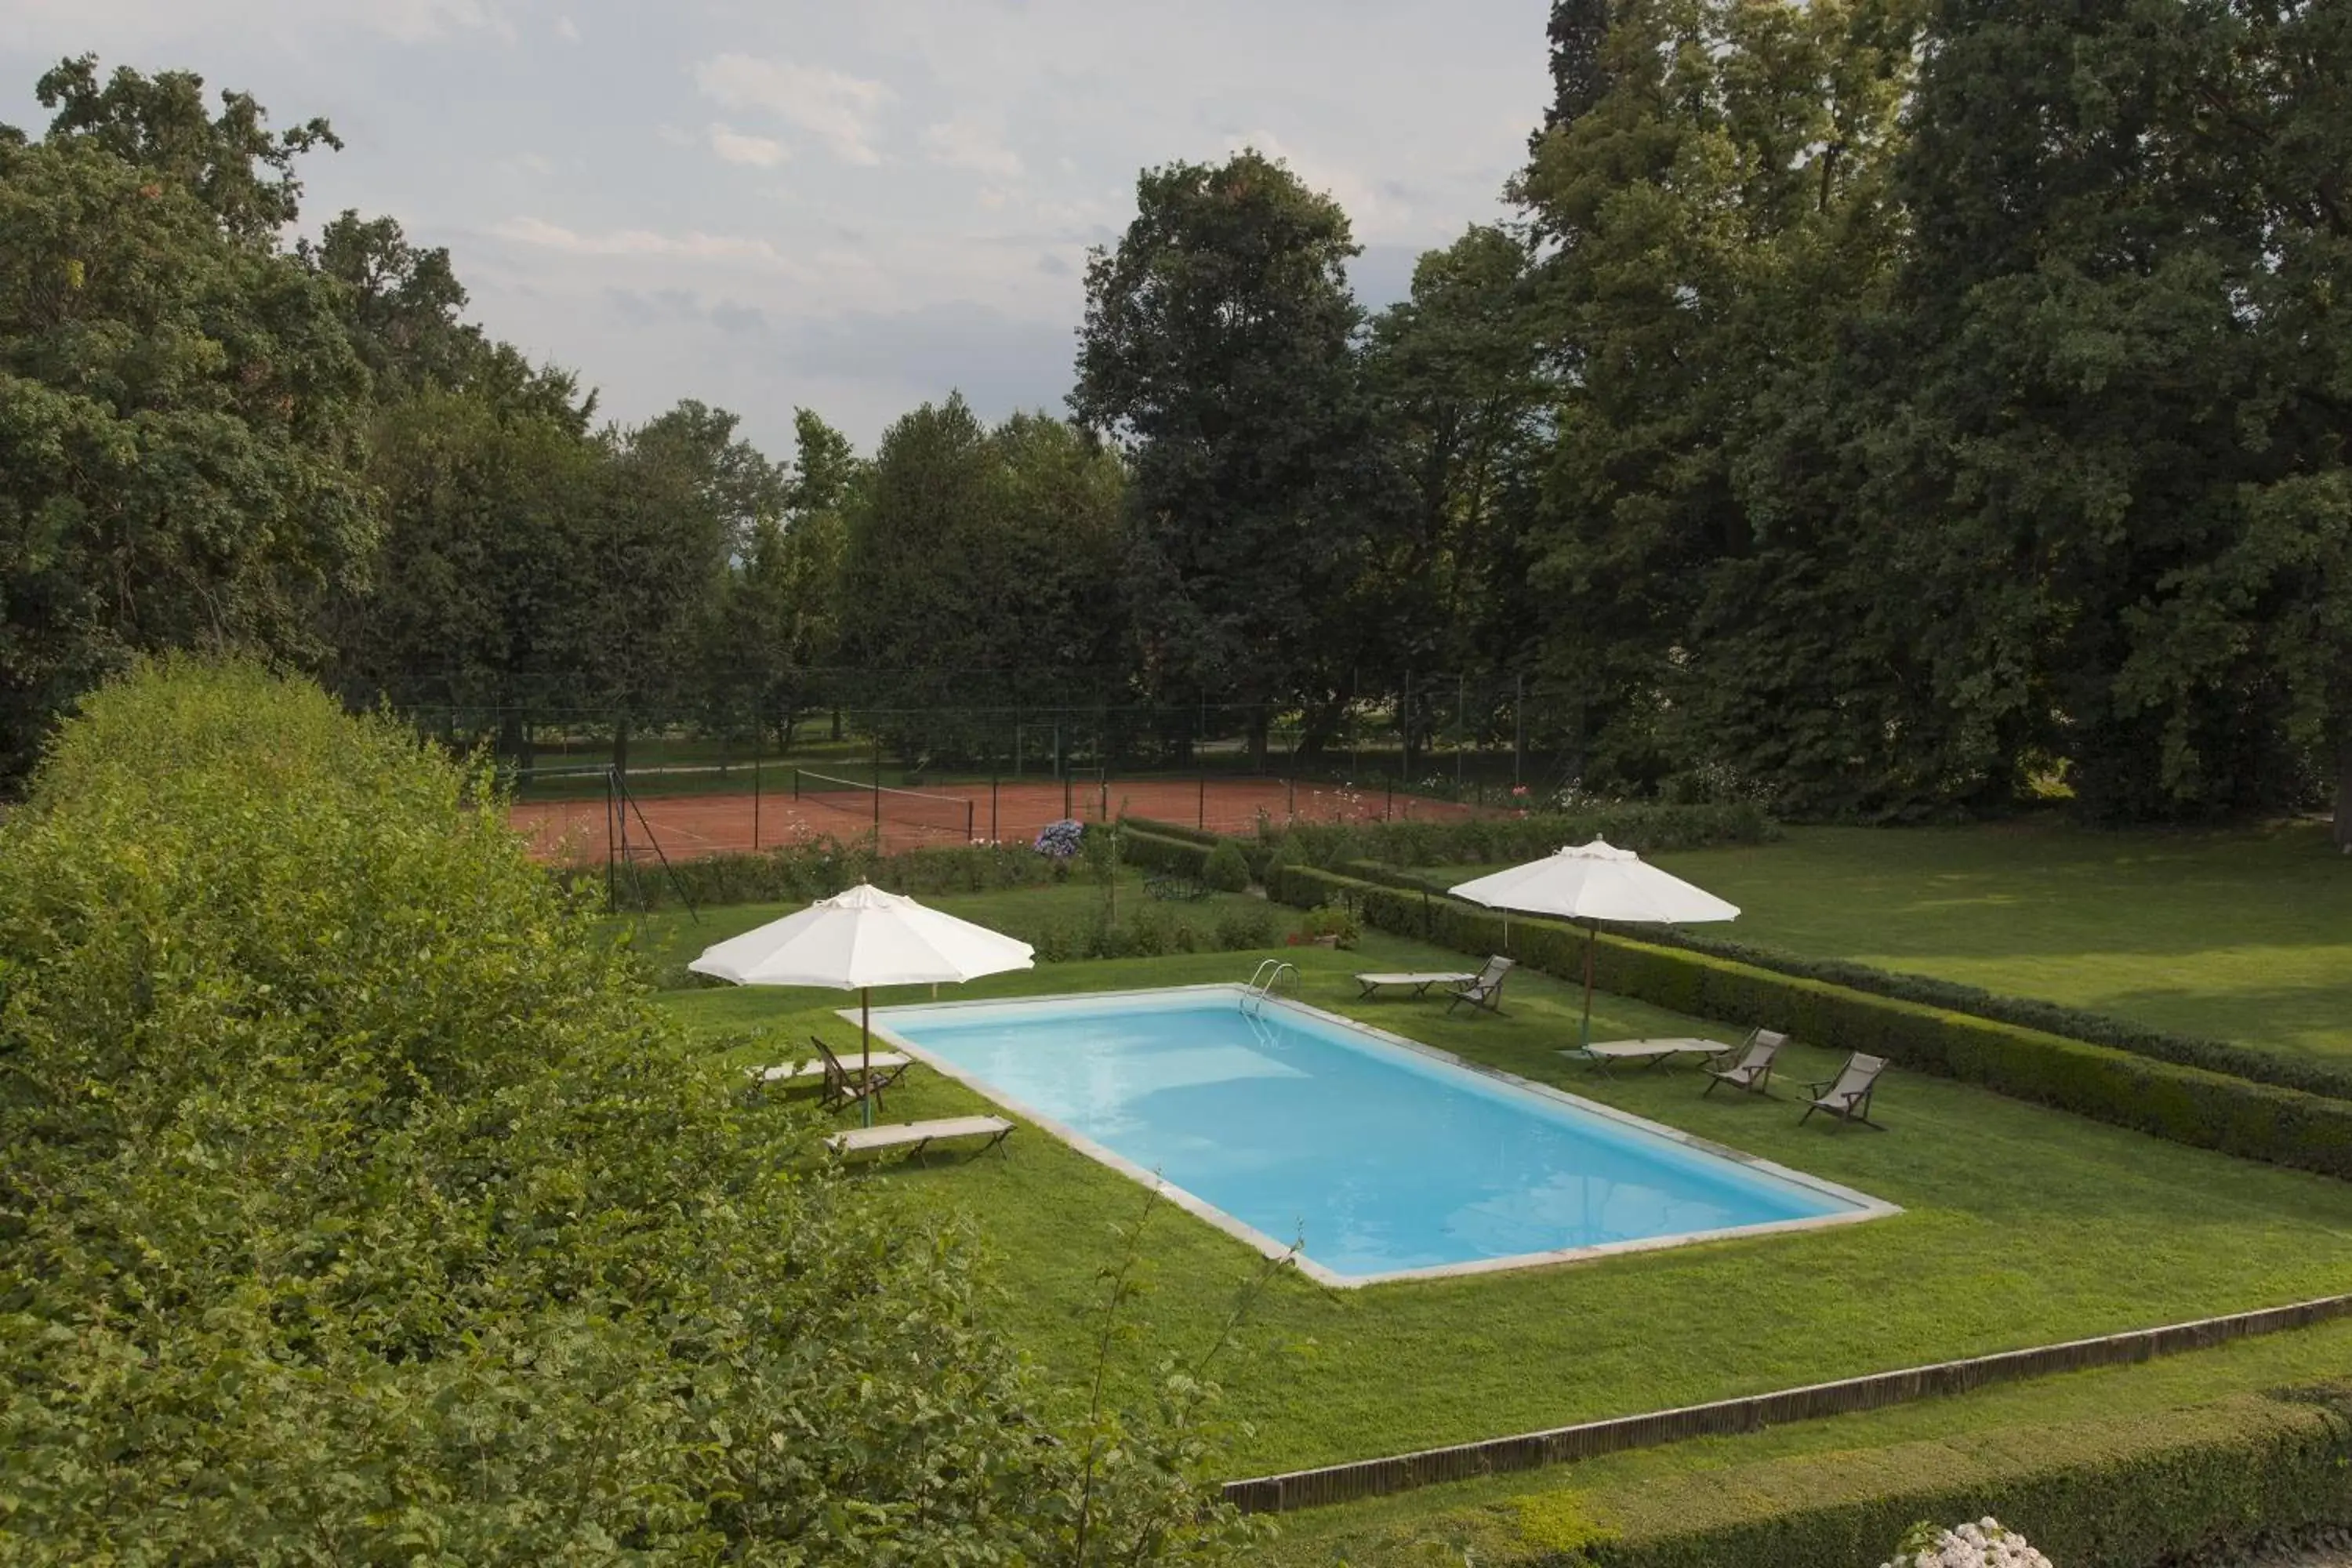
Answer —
1387 1158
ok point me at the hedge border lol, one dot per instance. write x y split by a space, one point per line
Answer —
2189 1105
2049 1018
1348 1482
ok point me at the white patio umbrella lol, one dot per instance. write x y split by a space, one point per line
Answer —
859 940
1596 881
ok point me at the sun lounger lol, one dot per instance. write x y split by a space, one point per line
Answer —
1420 980
1602 1055
1752 1070
809 1074
920 1135
1848 1094
1484 989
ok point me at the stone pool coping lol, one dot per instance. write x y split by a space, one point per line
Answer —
1863 1206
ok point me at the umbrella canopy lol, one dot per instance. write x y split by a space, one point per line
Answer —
1596 881
862 938
859 940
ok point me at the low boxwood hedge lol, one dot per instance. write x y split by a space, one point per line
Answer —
2049 1018
2186 1104
2189 1487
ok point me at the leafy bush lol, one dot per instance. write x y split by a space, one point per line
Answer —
1334 921
358 1205
1226 869
2189 1105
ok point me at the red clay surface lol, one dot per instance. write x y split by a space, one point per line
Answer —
687 826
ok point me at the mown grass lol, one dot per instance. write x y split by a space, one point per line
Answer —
2024 1226
2241 935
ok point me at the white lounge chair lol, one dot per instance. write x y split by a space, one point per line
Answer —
808 1074
920 1135
1420 980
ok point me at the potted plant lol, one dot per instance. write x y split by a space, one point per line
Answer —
1330 925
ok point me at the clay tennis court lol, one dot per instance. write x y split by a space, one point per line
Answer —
687 827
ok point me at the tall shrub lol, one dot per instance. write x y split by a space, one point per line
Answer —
358 1207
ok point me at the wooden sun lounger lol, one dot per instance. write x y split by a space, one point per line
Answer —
1847 1096
922 1136
1483 990
1420 981
1753 1071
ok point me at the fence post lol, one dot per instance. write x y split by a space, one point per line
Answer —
1518 728
755 804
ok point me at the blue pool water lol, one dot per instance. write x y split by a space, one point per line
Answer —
1386 1160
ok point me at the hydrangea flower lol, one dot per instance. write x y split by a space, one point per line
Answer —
1060 840
1983 1544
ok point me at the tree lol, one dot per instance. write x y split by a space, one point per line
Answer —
983 559
181 413
1218 351
231 164
778 617
2128 402
1455 376
401 304
1579 32
1712 226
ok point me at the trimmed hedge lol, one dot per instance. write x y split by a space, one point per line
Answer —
2049 1018
818 869
2136 1498
1630 825
2189 1105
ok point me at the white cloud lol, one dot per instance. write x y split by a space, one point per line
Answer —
838 110
566 29
692 245
961 145
735 147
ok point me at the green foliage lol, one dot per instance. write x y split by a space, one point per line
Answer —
818 867
1225 868
359 1205
1332 920
181 413
1217 349
972 549
2185 1104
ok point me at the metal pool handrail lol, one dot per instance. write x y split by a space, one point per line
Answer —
1268 974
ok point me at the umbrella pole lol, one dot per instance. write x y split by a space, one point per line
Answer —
866 1051
1589 929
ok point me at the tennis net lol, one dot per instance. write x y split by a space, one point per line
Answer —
943 814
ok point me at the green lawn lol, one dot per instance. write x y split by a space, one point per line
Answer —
2024 1226
2244 935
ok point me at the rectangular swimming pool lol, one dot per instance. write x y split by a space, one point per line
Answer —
1389 1160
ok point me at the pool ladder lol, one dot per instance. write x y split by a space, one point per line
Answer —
1270 973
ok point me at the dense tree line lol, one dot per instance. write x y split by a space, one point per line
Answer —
1878 408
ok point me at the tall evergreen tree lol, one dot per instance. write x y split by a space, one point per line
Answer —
1218 351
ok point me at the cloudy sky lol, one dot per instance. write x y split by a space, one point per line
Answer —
853 205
